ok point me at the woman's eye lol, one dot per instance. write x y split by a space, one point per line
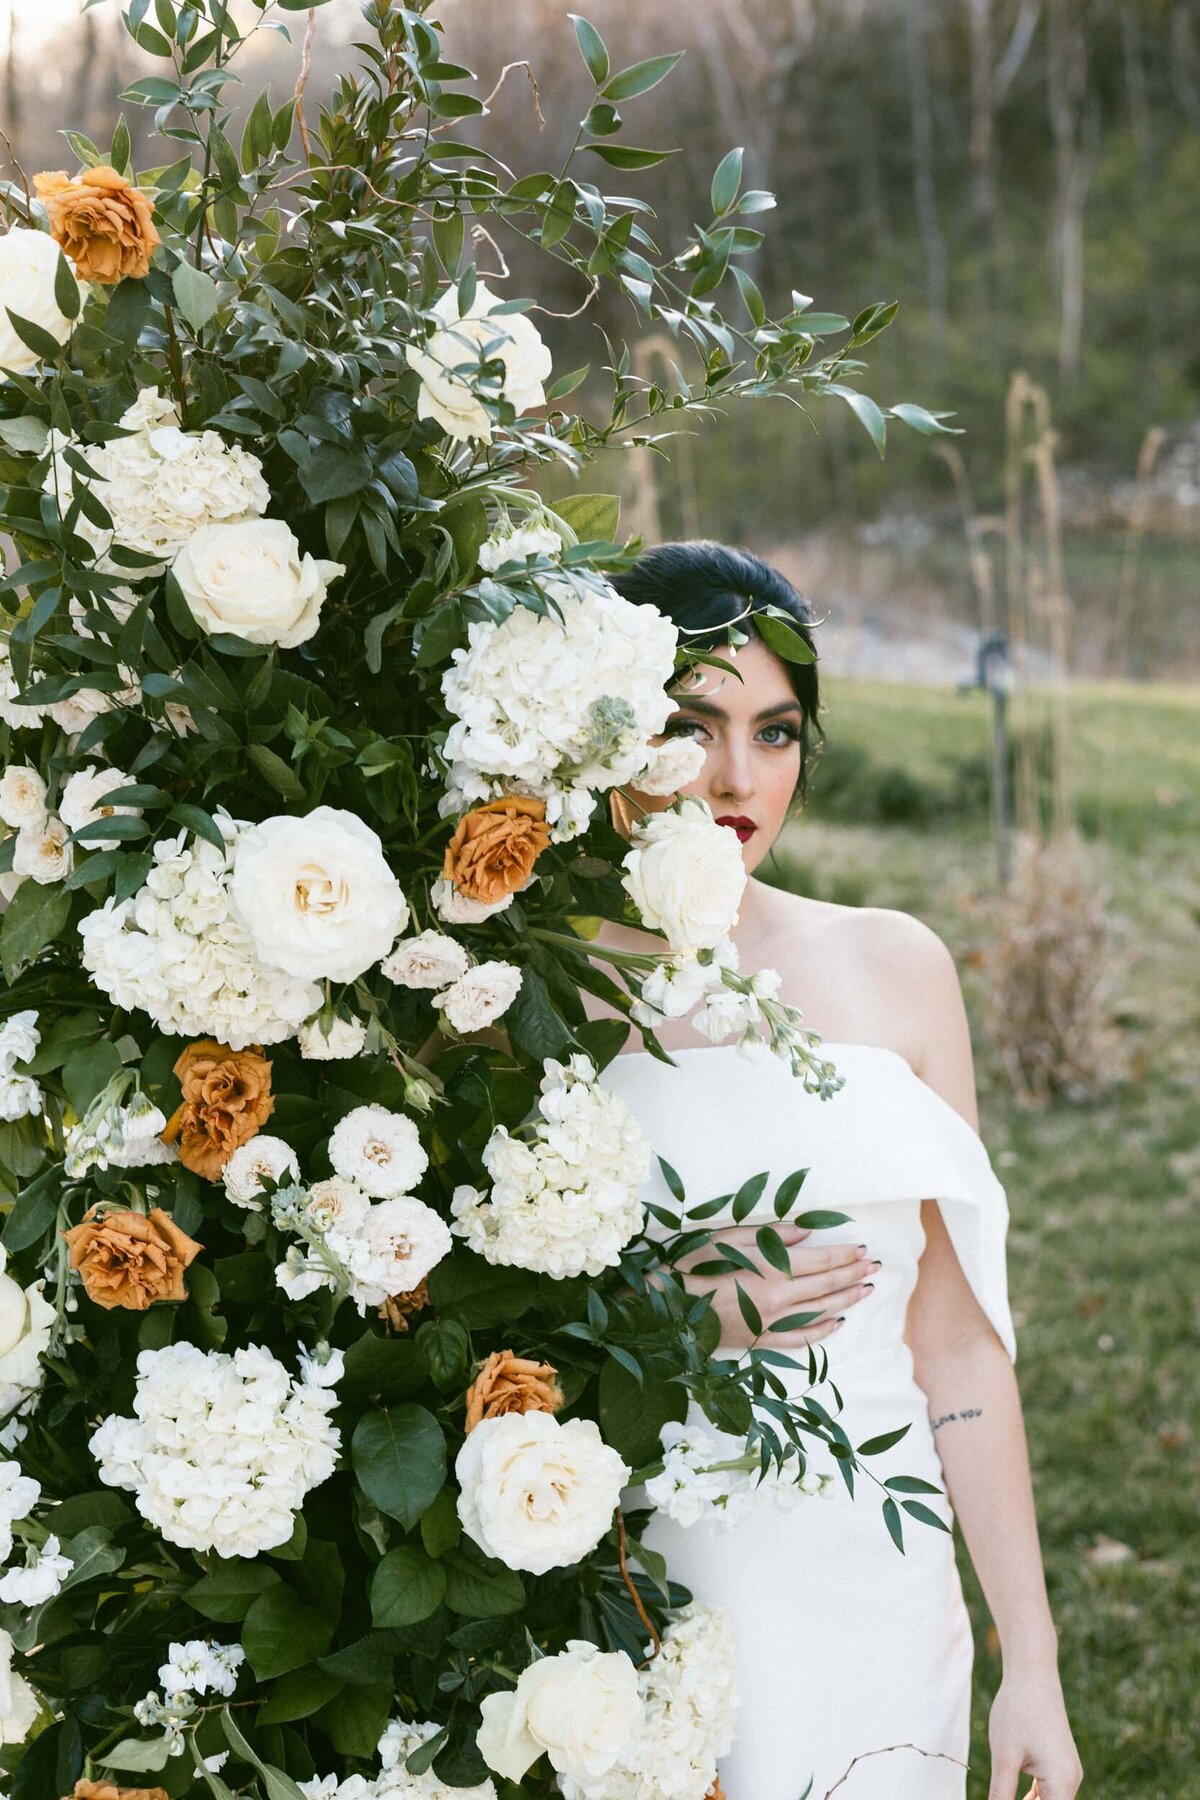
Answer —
682 726
788 735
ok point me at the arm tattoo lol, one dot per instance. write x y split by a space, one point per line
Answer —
968 1412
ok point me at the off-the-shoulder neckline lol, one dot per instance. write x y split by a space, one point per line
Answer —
827 1044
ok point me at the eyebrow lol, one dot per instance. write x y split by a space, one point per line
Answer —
718 712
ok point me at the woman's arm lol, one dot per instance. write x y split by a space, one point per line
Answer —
975 1411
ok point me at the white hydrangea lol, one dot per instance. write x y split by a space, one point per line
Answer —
19 1494
200 1667
177 951
429 960
82 801
40 1579
557 707
712 1475
379 1150
481 996
44 852
517 543
222 1448
20 1095
372 1249
159 485
690 1691
344 1038
22 797
565 1200
263 1158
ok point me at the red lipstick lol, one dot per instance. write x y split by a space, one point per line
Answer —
738 822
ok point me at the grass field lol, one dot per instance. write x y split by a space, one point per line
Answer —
1104 1267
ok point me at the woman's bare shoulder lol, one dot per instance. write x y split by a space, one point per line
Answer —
878 934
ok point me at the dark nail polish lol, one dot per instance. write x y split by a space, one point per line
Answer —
841 1318
870 1285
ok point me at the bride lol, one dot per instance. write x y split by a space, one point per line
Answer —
851 1653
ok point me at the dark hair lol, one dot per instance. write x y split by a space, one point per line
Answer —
705 587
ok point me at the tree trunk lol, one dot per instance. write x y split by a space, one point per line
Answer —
982 147
924 186
1074 128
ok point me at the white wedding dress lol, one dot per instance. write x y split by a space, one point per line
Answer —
845 1646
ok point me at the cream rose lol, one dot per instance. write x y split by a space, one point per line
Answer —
44 851
672 765
19 1705
448 364
22 797
316 895
537 1494
83 801
28 269
429 960
480 996
249 577
26 1320
685 875
582 1707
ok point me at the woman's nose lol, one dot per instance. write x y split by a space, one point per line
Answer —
733 778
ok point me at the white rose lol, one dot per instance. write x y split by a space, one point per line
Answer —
21 1360
344 1038
481 995
460 909
685 875
380 1151
536 1493
250 577
582 1707
22 796
428 961
83 802
76 712
14 1314
316 895
19 1705
448 365
672 766
263 1158
44 851
28 269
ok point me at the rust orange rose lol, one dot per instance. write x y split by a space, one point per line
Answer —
226 1099
128 1259
507 1384
495 846
105 1790
104 223
397 1308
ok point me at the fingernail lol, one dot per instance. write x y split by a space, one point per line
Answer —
870 1286
876 1265
841 1319
863 1248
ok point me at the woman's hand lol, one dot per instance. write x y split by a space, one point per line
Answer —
826 1279
1029 1734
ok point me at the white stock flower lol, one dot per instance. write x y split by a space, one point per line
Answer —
19 1705
672 766
702 1482
250 577
379 1150
344 1038
83 802
480 996
200 1667
222 1449
316 894
460 909
685 874
44 852
41 1578
158 486
581 1707
429 960
672 989
19 1039
399 1740
20 1097
177 951
690 1690
536 1493
452 384
567 1202
517 544
262 1158
29 262
557 706
22 797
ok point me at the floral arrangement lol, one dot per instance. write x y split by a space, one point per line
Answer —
333 1322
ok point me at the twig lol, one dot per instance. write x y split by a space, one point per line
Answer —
505 72
12 157
310 32
587 301
934 1755
642 1614
481 234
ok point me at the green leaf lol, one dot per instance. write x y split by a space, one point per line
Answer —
276 773
33 1213
66 289
866 411
381 1368
625 156
591 48
333 473
779 634
773 1248
925 1514
399 1458
128 310
406 1587
228 1593
137 1753
297 1695
92 1553
748 1310
35 337
533 1022
196 294
482 1588
726 182
748 1196
465 1287
88 1070
278 1785
440 1526
894 1523
355 1721
594 518
121 147
820 1221
632 1412
195 819
640 77
877 1445
920 420
911 1484
282 1633
36 915
795 1321
27 435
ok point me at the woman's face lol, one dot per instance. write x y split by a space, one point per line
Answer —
750 732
